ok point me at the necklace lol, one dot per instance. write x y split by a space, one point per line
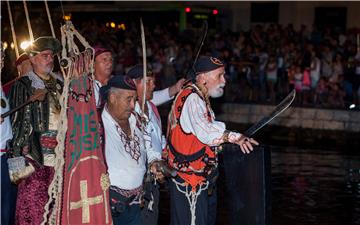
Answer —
131 144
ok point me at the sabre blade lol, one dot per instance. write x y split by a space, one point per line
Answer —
190 72
281 107
143 44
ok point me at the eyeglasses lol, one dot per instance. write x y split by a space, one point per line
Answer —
46 55
43 55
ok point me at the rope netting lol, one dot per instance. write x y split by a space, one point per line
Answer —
75 63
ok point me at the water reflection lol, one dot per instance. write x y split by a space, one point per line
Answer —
308 187
312 186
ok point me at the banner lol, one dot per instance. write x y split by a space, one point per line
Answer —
85 192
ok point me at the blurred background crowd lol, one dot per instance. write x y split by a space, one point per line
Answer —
263 63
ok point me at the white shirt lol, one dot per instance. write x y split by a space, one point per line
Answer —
161 96
124 171
97 86
5 130
194 120
154 123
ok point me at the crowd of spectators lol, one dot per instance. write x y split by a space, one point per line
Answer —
263 64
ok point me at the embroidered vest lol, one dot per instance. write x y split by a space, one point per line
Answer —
192 159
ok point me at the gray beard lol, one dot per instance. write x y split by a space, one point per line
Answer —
216 93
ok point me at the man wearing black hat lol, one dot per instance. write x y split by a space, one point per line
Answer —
35 129
193 143
127 149
151 116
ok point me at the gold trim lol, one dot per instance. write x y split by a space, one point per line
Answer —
85 202
70 179
105 184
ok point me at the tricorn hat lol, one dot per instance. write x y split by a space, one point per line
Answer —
42 44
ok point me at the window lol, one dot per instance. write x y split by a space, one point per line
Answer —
264 12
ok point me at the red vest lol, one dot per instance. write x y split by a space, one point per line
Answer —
184 151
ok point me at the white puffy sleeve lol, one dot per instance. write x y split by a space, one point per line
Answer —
194 119
162 96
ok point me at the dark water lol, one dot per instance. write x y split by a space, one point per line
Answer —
315 179
315 186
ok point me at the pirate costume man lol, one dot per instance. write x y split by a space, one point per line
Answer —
103 69
151 116
23 66
194 137
34 130
127 149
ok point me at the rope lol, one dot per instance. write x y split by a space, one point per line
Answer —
28 22
55 187
49 18
76 66
13 30
191 195
62 8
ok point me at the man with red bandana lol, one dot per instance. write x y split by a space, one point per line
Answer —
194 137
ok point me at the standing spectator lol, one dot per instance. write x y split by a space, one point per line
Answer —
306 86
263 59
298 78
314 69
337 69
336 96
326 62
271 77
321 93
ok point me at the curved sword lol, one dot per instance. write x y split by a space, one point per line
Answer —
143 44
281 107
191 71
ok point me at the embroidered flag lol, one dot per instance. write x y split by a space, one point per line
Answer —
85 189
